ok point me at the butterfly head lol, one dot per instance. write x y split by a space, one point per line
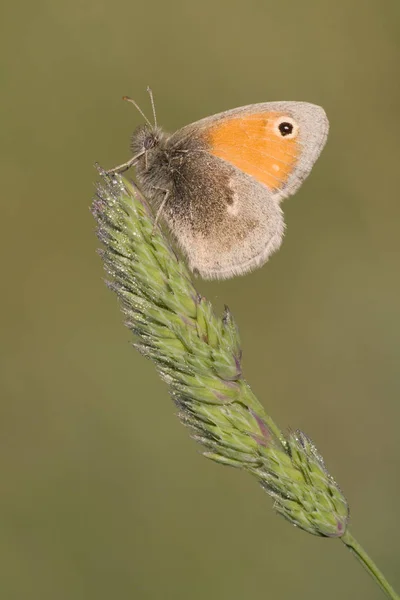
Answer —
148 144
146 138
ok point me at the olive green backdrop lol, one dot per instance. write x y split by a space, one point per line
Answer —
103 494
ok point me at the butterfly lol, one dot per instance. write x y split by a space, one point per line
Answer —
218 183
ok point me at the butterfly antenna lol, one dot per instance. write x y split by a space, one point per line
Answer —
137 108
152 105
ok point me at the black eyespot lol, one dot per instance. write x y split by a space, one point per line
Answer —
285 128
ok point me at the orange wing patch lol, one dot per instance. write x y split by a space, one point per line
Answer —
253 144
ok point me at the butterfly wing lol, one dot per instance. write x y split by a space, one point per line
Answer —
234 168
249 138
224 220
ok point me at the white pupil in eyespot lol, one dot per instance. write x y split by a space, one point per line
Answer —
285 128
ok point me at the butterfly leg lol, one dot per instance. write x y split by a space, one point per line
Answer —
122 168
127 165
167 194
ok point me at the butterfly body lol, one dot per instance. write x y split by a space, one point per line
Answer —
219 182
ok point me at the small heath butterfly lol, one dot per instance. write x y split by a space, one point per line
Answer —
218 183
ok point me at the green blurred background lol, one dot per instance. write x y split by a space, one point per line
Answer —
103 494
